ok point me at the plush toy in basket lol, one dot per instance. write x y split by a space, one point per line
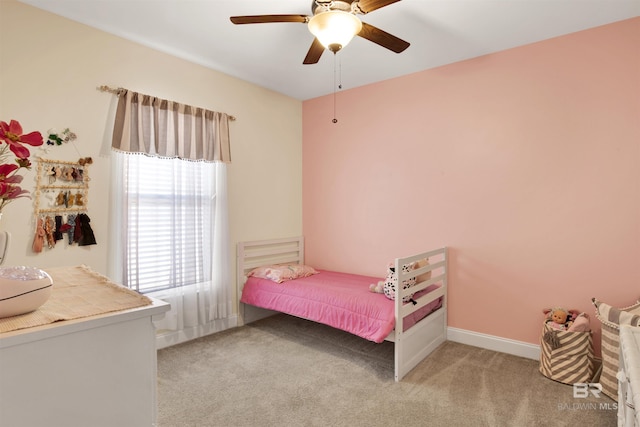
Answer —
566 320
566 347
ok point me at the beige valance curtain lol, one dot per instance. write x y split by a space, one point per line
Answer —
154 126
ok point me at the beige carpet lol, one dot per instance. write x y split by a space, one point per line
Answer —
284 371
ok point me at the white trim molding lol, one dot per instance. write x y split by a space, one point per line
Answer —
492 342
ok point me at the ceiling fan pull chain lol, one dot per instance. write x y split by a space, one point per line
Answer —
334 89
339 85
340 73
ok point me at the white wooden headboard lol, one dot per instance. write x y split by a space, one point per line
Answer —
264 252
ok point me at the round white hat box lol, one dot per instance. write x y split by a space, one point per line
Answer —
23 290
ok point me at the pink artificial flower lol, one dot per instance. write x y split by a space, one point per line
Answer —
12 134
6 170
9 192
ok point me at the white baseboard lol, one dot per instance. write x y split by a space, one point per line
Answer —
462 336
491 342
169 338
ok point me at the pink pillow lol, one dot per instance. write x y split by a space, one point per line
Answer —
281 273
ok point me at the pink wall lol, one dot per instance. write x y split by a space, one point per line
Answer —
526 163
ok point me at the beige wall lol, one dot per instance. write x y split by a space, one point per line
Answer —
49 70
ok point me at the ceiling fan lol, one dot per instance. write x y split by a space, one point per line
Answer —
334 24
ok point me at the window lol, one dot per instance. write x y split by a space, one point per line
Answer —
170 209
170 237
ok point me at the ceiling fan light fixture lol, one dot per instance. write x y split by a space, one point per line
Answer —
334 29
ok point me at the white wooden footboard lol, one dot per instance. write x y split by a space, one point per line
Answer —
414 344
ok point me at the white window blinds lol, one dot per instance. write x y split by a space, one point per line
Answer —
170 206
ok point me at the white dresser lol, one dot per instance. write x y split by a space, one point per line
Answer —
629 377
95 371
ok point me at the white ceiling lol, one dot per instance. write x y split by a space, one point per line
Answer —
271 55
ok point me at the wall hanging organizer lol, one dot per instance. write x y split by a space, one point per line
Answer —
61 196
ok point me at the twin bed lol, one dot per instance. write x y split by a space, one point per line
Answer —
345 301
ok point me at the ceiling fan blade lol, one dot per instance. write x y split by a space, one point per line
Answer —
315 52
367 6
263 19
383 38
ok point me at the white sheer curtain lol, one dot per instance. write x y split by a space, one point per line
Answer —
169 217
171 240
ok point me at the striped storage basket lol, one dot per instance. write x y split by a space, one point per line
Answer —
611 318
566 357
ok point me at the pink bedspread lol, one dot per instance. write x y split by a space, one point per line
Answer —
340 300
